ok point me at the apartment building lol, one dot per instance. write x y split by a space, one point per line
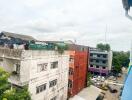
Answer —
77 68
38 65
45 72
100 62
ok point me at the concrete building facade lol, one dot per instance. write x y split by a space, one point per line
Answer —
44 72
100 62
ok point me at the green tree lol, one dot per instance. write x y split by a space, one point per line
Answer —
102 46
61 47
120 59
4 85
89 76
9 93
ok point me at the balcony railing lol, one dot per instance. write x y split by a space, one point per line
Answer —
98 63
101 58
16 79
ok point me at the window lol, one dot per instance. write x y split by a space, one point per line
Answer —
71 59
104 62
91 60
104 67
98 55
91 65
54 98
97 61
97 66
105 56
69 84
17 68
42 67
91 54
40 88
54 65
70 71
52 83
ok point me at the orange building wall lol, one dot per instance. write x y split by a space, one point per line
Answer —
79 71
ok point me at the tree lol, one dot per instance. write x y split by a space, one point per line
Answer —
107 47
89 76
120 59
16 94
102 46
4 85
61 47
9 93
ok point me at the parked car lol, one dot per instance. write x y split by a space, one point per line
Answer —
111 89
111 78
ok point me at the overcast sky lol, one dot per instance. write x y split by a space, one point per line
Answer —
85 21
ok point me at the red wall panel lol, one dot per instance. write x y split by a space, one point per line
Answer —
80 72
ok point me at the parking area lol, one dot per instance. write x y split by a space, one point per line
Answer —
111 86
112 96
108 88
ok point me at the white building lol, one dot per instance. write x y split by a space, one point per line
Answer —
45 72
100 62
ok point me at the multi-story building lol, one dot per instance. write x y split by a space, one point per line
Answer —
78 63
43 71
100 62
77 68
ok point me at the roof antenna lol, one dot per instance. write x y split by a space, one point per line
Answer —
106 34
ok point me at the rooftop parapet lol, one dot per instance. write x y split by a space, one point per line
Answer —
14 53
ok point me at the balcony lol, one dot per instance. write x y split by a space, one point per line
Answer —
96 57
99 63
16 79
92 69
104 71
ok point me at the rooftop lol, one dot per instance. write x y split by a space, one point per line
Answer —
19 36
89 93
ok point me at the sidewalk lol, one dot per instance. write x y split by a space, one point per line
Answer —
89 93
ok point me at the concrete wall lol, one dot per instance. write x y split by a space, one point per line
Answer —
110 56
29 74
60 73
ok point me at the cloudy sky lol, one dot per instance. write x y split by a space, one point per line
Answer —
85 21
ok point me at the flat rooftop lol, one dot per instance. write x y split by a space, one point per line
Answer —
89 93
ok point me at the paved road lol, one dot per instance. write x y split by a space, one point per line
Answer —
117 86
